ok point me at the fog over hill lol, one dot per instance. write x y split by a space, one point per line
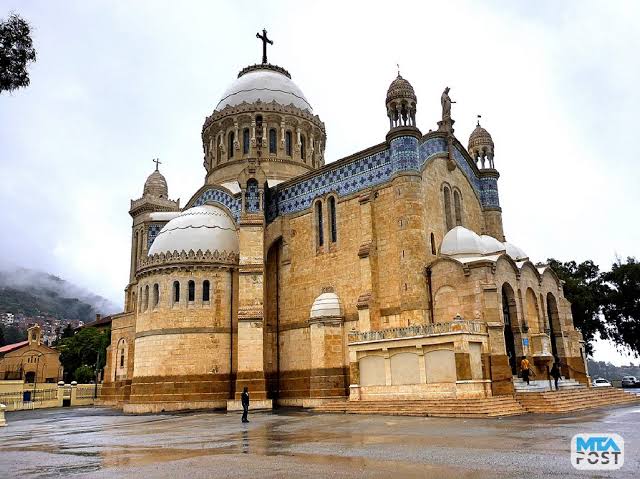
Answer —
35 292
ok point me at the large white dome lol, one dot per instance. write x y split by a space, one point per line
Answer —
265 83
462 241
515 253
491 245
206 228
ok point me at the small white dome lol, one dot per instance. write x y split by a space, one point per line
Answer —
491 245
326 305
461 241
206 228
267 84
514 252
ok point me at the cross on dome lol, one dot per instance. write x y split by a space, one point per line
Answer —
265 40
157 162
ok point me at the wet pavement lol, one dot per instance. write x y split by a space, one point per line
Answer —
104 443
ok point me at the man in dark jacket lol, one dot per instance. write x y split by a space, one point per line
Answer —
245 404
555 373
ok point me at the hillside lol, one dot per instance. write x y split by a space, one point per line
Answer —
34 293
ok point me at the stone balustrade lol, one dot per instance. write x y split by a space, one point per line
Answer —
419 330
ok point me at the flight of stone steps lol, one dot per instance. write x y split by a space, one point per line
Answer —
466 408
574 399
541 385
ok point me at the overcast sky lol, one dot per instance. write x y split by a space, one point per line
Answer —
117 83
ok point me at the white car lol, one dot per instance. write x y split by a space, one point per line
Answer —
601 383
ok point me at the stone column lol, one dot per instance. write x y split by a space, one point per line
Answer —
365 299
409 212
328 374
250 339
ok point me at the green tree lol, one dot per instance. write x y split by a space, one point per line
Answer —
16 52
622 306
85 348
67 332
84 374
12 335
587 292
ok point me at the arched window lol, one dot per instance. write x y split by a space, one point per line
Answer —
245 141
458 207
273 146
146 297
287 143
303 147
191 291
230 151
121 350
140 299
156 295
447 207
252 196
176 292
433 245
259 129
206 287
320 233
332 219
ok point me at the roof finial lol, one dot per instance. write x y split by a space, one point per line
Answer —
398 65
479 116
265 40
157 162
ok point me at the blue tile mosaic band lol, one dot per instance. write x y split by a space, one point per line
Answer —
152 232
219 196
404 154
252 197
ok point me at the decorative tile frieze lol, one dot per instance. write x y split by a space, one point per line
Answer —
219 196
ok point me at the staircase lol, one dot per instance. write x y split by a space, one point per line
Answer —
573 399
465 408
541 385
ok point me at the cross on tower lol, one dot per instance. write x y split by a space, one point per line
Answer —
157 162
265 40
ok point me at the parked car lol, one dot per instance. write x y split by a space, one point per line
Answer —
601 383
630 382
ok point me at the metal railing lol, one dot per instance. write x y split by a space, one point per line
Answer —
469 327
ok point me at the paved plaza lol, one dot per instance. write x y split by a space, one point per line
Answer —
104 443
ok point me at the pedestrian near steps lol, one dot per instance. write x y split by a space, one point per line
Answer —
245 404
525 367
555 373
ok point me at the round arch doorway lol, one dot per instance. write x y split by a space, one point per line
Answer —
510 318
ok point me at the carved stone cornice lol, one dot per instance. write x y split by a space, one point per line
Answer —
263 107
188 258
152 204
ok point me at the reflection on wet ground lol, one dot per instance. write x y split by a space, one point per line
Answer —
104 443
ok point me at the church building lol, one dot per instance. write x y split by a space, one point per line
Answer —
383 275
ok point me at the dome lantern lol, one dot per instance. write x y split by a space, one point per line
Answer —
481 147
401 103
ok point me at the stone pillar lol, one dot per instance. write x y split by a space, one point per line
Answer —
60 393
409 211
3 421
491 203
74 393
250 339
354 376
364 304
499 367
328 374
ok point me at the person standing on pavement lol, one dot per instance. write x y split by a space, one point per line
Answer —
245 404
525 367
555 373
